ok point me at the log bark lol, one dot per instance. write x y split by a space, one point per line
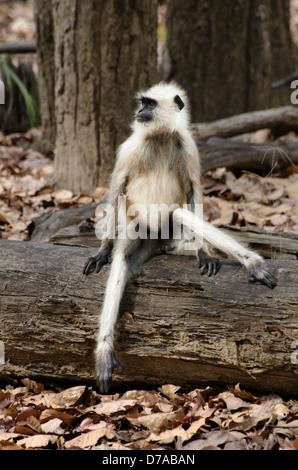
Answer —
247 156
71 227
280 120
182 328
42 228
277 245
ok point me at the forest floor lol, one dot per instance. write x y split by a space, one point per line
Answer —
36 416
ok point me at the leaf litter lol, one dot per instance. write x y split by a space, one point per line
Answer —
33 417
27 192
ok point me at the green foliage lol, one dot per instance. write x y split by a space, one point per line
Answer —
12 78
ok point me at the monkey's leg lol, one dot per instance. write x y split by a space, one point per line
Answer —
128 256
253 262
103 257
105 358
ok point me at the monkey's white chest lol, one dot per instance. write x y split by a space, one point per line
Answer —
154 195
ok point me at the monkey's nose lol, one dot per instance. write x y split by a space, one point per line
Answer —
144 115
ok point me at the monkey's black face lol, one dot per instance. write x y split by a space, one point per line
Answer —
145 112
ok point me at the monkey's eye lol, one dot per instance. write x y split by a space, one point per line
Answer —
149 102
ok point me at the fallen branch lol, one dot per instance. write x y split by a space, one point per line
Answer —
285 81
46 225
17 47
279 120
179 327
245 156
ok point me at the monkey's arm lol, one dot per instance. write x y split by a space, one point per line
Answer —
206 262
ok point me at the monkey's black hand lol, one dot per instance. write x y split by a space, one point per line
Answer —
104 369
258 272
98 261
208 264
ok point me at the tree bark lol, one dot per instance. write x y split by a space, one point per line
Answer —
104 51
227 54
279 120
46 75
248 156
179 327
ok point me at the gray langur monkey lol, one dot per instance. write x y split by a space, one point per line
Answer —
157 165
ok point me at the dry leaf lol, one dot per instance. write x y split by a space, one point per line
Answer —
157 422
49 414
287 429
3 219
90 438
6 436
168 436
260 136
32 385
232 402
52 427
88 425
62 195
111 407
85 200
34 423
211 439
195 426
64 399
37 441
169 390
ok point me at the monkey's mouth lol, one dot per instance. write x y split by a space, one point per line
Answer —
143 117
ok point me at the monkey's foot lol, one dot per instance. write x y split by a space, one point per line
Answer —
258 272
105 364
208 264
98 261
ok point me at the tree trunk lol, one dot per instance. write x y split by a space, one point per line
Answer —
227 54
179 327
104 51
46 75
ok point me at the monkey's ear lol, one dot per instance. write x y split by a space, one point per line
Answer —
179 102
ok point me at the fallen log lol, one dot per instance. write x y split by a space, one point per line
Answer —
247 156
175 326
46 225
272 245
279 120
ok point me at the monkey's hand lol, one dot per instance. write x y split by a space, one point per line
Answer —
258 272
105 364
98 261
208 264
